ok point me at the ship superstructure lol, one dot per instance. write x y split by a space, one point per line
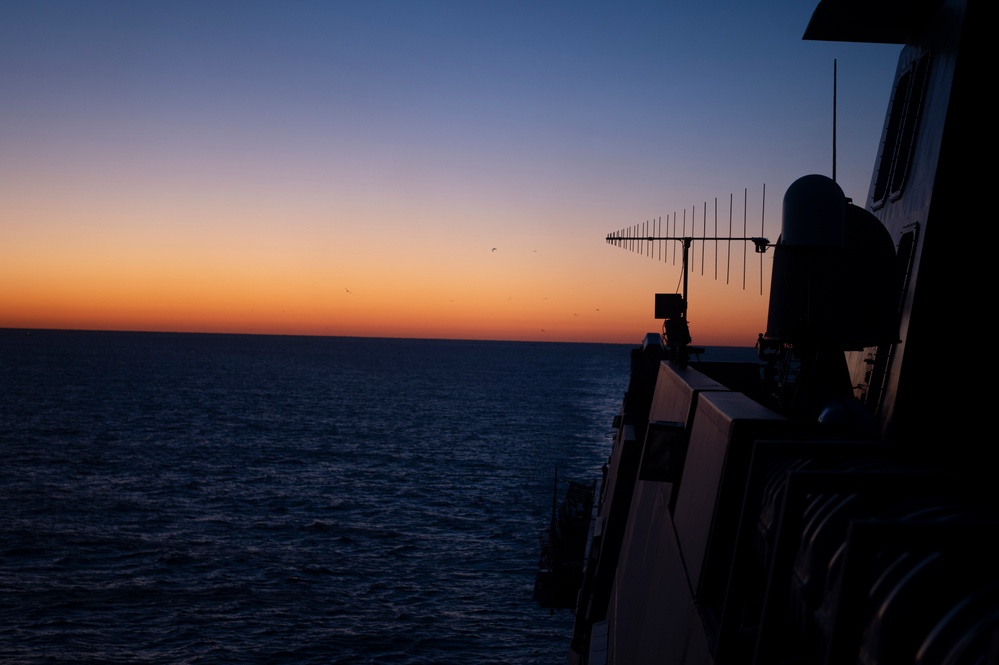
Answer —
832 503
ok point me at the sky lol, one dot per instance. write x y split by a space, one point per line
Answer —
431 169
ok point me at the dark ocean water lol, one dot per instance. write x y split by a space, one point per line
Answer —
182 498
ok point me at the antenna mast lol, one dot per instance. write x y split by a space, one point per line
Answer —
673 307
834 121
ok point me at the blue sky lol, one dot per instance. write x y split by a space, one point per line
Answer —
389 146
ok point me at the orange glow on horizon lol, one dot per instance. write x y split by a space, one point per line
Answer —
239 302
163 172
580 290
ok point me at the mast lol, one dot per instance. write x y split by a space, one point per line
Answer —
834 123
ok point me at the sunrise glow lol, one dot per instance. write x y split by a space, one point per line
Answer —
445 170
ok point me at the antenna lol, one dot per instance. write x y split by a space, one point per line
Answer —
834 121
673 308
763 217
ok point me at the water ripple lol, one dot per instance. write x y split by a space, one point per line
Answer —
227 499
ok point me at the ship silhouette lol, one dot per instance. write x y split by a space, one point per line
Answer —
834 502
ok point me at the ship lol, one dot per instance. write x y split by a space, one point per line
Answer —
563 546
834 501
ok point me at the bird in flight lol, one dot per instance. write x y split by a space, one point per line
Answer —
494 249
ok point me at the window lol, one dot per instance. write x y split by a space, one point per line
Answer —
900 132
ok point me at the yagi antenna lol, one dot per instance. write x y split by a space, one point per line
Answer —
672 308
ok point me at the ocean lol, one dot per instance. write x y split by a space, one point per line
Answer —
196 498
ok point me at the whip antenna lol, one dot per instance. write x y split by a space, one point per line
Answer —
834 122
